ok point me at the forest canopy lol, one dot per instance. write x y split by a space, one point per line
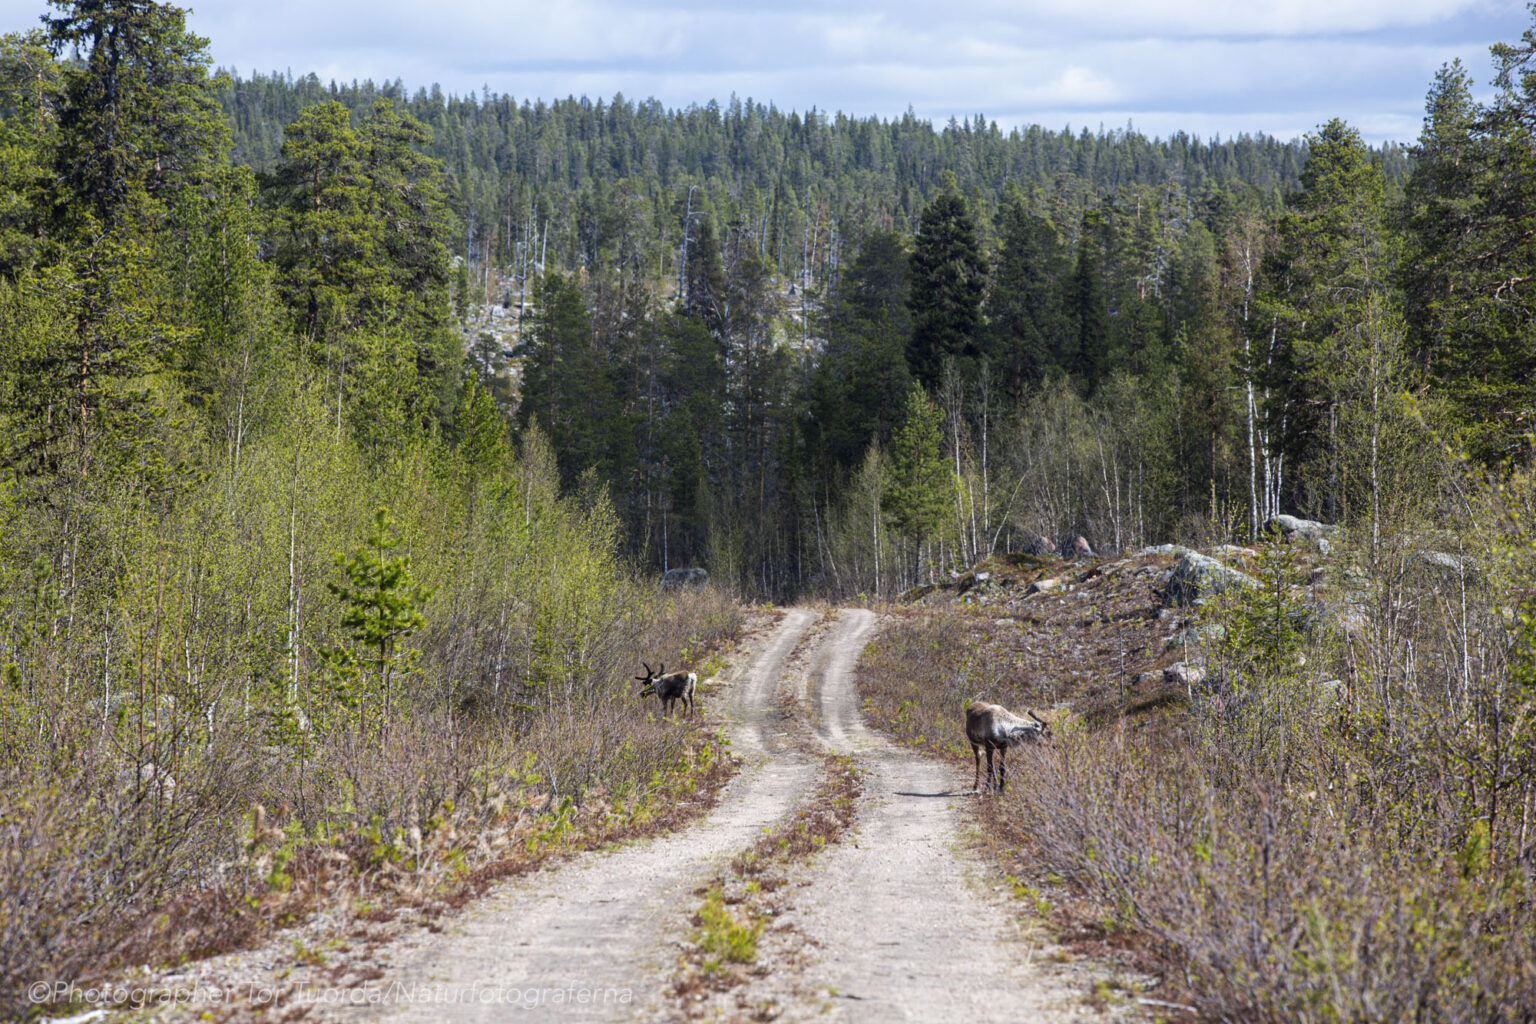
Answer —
715 314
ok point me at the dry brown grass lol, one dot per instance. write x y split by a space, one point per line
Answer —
98 871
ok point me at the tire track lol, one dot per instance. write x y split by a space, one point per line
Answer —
900 928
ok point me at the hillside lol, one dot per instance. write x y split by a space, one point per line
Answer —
1259 782
349 442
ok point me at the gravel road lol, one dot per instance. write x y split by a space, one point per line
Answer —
894 922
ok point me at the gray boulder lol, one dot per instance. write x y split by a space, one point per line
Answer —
1183 674
1445 565
1198 577
1164 549
1307 532
694 577
1044 586
150 782
1077 547
1233 551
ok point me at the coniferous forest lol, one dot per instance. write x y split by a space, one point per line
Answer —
719 313
345 430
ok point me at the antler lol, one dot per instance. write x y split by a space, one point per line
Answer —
648 674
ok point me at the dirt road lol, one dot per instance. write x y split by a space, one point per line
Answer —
896 927
902 928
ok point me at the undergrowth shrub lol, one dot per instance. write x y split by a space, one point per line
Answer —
180 770
1336 822
1342 826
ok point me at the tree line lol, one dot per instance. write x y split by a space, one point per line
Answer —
724 310
724 307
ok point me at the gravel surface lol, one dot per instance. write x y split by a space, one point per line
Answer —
900 926
588 940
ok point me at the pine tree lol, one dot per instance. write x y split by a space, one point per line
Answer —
381 607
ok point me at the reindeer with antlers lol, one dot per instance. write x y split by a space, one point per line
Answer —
996 728
675 686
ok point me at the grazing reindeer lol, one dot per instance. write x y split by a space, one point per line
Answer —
674 687
996 728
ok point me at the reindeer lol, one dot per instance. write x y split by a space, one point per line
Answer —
674 687
996 728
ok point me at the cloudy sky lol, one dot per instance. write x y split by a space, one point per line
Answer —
1203 66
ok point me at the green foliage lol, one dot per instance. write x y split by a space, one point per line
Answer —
724 939
361 261
565 388
138 118
381 606
1330 294
1467 218
1260 630
861 382
1027 324
1086 355
921 483
949 277
30 94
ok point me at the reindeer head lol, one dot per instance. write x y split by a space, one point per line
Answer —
1044 732
648 681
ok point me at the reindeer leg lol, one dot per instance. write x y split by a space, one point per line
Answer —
989 767
1002 768
976 778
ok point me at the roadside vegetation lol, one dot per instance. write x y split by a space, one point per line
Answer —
287 612
1310 797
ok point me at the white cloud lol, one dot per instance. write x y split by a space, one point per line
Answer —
1219 65
1236 18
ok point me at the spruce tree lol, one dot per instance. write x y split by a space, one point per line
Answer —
1329 280
1471 232
1086 355
1026 324
920 487
949 277
381 606
859 388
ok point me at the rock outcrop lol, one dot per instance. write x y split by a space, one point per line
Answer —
1309 532
1198 577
